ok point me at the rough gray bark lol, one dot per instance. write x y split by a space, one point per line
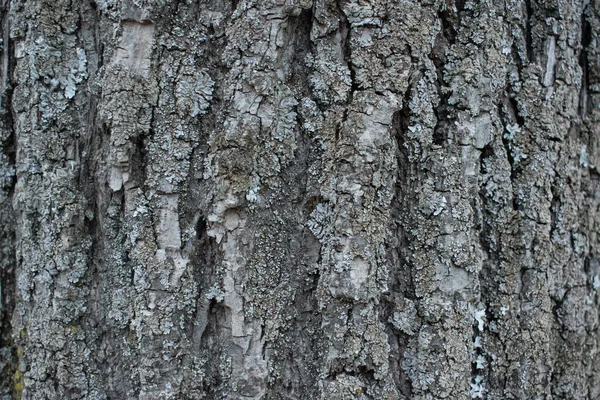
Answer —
297 199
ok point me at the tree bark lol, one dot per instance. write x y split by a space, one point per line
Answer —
298 199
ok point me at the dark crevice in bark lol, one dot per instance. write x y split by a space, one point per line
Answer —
509 155
403 382
443 41
555 205
440 133
403 203
518 61
589 272
201 228
213 308
6 48
397 340
8 261
450 21
206 250
210 330
514 106
486 160
216 340
359 372
105 231
558 314
489 276
401 284
91 146
138 160
528 30
486 154
438 55
8 363
586 38
299 362
90 22
346 33
301 27
508 117
303 358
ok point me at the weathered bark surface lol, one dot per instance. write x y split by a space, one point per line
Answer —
297 199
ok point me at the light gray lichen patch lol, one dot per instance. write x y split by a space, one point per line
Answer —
193 91
77 74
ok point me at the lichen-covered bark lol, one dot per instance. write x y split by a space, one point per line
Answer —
299 199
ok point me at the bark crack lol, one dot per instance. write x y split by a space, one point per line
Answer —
10 379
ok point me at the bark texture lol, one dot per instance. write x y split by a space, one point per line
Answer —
298 199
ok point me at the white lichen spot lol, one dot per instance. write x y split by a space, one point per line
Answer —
518 155
477 388
76 75
252 195
478 316
441 207
207 174
140 210
215 293
194 93
134 234
511 131
405 320
596 283
318 220
480 362
584 160
70 90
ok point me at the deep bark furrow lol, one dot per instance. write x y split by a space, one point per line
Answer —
8 261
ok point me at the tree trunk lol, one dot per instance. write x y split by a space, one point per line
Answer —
297 199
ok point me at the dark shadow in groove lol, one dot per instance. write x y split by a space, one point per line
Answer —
401 281
586 38
528 28
8 260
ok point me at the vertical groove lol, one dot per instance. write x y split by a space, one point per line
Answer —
9 381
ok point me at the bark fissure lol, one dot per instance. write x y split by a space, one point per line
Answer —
529 20
586 37
9 376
